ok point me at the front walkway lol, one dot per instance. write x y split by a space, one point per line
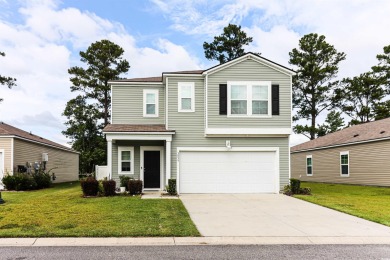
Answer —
274 215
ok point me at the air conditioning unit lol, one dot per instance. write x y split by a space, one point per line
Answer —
45 157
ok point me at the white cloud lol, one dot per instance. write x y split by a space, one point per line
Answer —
358 28
41 49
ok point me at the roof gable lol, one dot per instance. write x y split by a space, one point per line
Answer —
254 57
367 132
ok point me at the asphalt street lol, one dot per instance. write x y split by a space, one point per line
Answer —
200 252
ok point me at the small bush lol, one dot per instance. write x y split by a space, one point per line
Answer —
89 186
9 182
100 188
42 179
171 188
135 187
287 190
295 185
124 181
109 187
24 182
305 191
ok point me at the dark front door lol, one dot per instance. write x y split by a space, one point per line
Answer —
151 169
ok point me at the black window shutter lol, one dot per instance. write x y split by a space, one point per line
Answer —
275 99
223 99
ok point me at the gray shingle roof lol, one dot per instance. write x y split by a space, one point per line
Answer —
6 130
159 79
358 133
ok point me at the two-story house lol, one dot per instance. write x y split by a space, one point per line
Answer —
221 130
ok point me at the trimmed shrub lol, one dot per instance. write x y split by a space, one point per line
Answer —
109 187
124 181
135 187
90 186
171 188
295 185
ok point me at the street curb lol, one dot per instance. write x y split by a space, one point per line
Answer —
177 241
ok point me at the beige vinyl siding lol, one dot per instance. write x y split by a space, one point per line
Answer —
369 164
190 130
137 157
127 105
6 145
66 164
249 70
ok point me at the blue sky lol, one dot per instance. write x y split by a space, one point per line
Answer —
42 39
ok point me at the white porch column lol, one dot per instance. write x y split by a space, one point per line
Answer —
109 159
167 161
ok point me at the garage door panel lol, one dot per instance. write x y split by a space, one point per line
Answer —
227 172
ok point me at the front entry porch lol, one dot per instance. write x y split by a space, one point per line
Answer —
143 155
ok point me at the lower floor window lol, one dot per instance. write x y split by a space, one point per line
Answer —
126 160
344 163
309 165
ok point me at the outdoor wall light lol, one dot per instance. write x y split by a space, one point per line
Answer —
228 146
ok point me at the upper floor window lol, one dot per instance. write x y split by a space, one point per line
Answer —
125 160
150 103
249 98
186 97
344 164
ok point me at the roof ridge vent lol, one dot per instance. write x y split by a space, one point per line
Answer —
355 135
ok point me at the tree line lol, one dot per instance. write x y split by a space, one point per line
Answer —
316 89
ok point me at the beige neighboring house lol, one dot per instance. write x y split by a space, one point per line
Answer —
359 154
18 147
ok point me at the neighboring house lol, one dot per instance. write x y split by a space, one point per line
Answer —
18 148
356 155
221 130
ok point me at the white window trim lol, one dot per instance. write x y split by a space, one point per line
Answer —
179 86
155 92
120 150
341 174
249 85
311 157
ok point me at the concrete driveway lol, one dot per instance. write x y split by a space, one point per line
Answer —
273 215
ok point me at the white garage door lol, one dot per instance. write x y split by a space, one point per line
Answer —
227 172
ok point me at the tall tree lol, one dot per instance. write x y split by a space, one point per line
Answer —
89 113
333 122
84 132
360 98
104 62
227 46
382 70
317 64
8 81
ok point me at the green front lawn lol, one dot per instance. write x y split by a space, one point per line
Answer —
371 203
62 212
